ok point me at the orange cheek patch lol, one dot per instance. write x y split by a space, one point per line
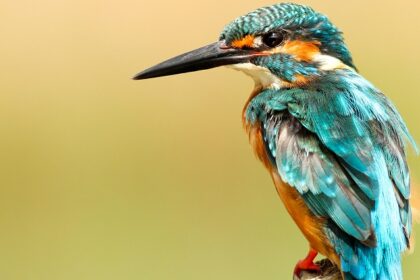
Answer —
302 50
247 41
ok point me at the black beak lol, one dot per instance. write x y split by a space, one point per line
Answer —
214 55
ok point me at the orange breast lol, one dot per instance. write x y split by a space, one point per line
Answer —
310 225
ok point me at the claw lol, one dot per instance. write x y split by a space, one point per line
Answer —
307 264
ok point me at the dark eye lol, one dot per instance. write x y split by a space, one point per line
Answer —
273 39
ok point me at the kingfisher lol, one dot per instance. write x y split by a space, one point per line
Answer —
334 145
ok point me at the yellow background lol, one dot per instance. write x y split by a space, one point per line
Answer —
102 177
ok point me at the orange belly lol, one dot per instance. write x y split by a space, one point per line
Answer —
310 225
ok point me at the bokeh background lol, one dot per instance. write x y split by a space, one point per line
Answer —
102 177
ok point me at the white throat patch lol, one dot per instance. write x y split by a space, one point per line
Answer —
262 76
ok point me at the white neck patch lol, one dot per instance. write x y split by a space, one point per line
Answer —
328 62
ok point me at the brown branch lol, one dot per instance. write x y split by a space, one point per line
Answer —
328 272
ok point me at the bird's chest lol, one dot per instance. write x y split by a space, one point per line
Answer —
263 128
255 132
259 136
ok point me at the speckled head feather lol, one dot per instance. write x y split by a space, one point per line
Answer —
298 21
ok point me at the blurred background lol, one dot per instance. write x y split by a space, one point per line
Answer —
102 177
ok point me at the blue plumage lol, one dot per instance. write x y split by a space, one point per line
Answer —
339 142
333 143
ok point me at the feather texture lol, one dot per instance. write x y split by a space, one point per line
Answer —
340 143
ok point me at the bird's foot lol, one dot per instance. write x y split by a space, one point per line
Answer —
307 264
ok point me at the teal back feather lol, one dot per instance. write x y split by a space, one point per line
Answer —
340 143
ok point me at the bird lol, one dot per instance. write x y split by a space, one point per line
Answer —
334 145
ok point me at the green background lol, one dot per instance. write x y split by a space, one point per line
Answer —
102 177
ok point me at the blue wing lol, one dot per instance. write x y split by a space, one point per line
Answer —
304 163
338 142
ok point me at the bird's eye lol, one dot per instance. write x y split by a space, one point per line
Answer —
273 39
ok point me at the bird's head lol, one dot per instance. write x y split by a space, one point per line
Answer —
281 45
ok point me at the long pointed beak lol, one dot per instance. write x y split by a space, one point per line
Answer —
213 55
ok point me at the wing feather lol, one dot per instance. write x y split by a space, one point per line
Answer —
314 171
331 142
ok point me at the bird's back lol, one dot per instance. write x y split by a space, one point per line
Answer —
337 145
